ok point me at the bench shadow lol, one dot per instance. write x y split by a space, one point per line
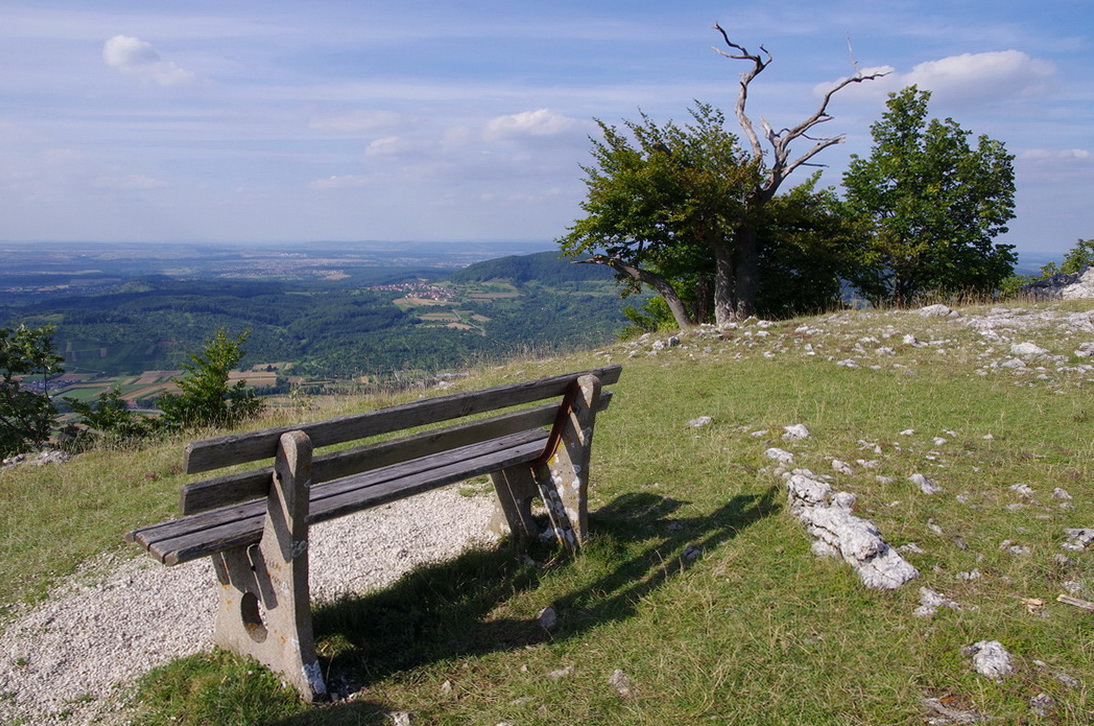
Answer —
447 610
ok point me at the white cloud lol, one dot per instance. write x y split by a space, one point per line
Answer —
358 121
1055 155
983 75
969 78
386 146
542 122
339 182
139 58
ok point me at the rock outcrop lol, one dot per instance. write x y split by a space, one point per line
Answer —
1064 286
839 533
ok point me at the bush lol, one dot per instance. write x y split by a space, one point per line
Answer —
206 399
26 414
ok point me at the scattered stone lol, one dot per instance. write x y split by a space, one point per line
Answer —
828 518
402 718
621 682
1078 539
908 432
779 455
691 553
911 547
925 485
560 673
990 659
446 688
547 618
758 434
1028 350
795 432
842 467
938 311
41 458
930 601
1063 560
1069 681
1041 705
970 575
1013 363
1022 489
910 339
700 422
947 715
1015 549
1059 493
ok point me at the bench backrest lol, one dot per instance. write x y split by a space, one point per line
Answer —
234 449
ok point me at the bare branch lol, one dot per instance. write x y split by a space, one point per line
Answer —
758 65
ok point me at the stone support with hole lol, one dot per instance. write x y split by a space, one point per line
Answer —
264 609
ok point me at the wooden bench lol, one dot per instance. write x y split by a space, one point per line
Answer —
254 524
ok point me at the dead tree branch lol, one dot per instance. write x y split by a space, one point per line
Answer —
781 163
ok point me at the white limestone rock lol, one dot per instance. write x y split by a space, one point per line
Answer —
795 432
925 485
828 519
990 659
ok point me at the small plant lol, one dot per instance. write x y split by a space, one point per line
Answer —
206 398
109 421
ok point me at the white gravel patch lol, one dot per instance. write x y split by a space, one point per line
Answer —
71 659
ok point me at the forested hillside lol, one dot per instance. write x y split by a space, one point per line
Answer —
342 327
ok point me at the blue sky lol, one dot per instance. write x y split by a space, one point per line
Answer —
365 120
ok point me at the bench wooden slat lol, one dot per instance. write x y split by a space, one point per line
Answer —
222 491
202 534
224 451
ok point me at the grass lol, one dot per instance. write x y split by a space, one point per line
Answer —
753 630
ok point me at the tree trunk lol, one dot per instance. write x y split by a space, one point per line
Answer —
724 284
748 271
657 282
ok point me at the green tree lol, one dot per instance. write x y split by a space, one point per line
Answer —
658 206
26 415
206 399
1076 260
684 210
935 203
110 419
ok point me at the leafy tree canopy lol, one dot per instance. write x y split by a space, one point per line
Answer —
935 202
26 414
206 399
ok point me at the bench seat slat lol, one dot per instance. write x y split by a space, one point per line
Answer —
202 534
224 451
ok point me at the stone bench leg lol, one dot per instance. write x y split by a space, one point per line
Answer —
264 609
563 480
515 487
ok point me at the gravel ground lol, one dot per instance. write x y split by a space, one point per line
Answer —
72 659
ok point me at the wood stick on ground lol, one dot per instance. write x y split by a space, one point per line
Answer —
1084 604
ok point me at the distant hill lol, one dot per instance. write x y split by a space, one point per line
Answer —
337 322
542 267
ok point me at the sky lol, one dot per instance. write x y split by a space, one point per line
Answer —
279 121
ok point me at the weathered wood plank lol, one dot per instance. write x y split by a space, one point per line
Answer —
241 487
226 490
202 534
223 451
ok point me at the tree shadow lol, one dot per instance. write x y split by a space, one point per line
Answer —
445 611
